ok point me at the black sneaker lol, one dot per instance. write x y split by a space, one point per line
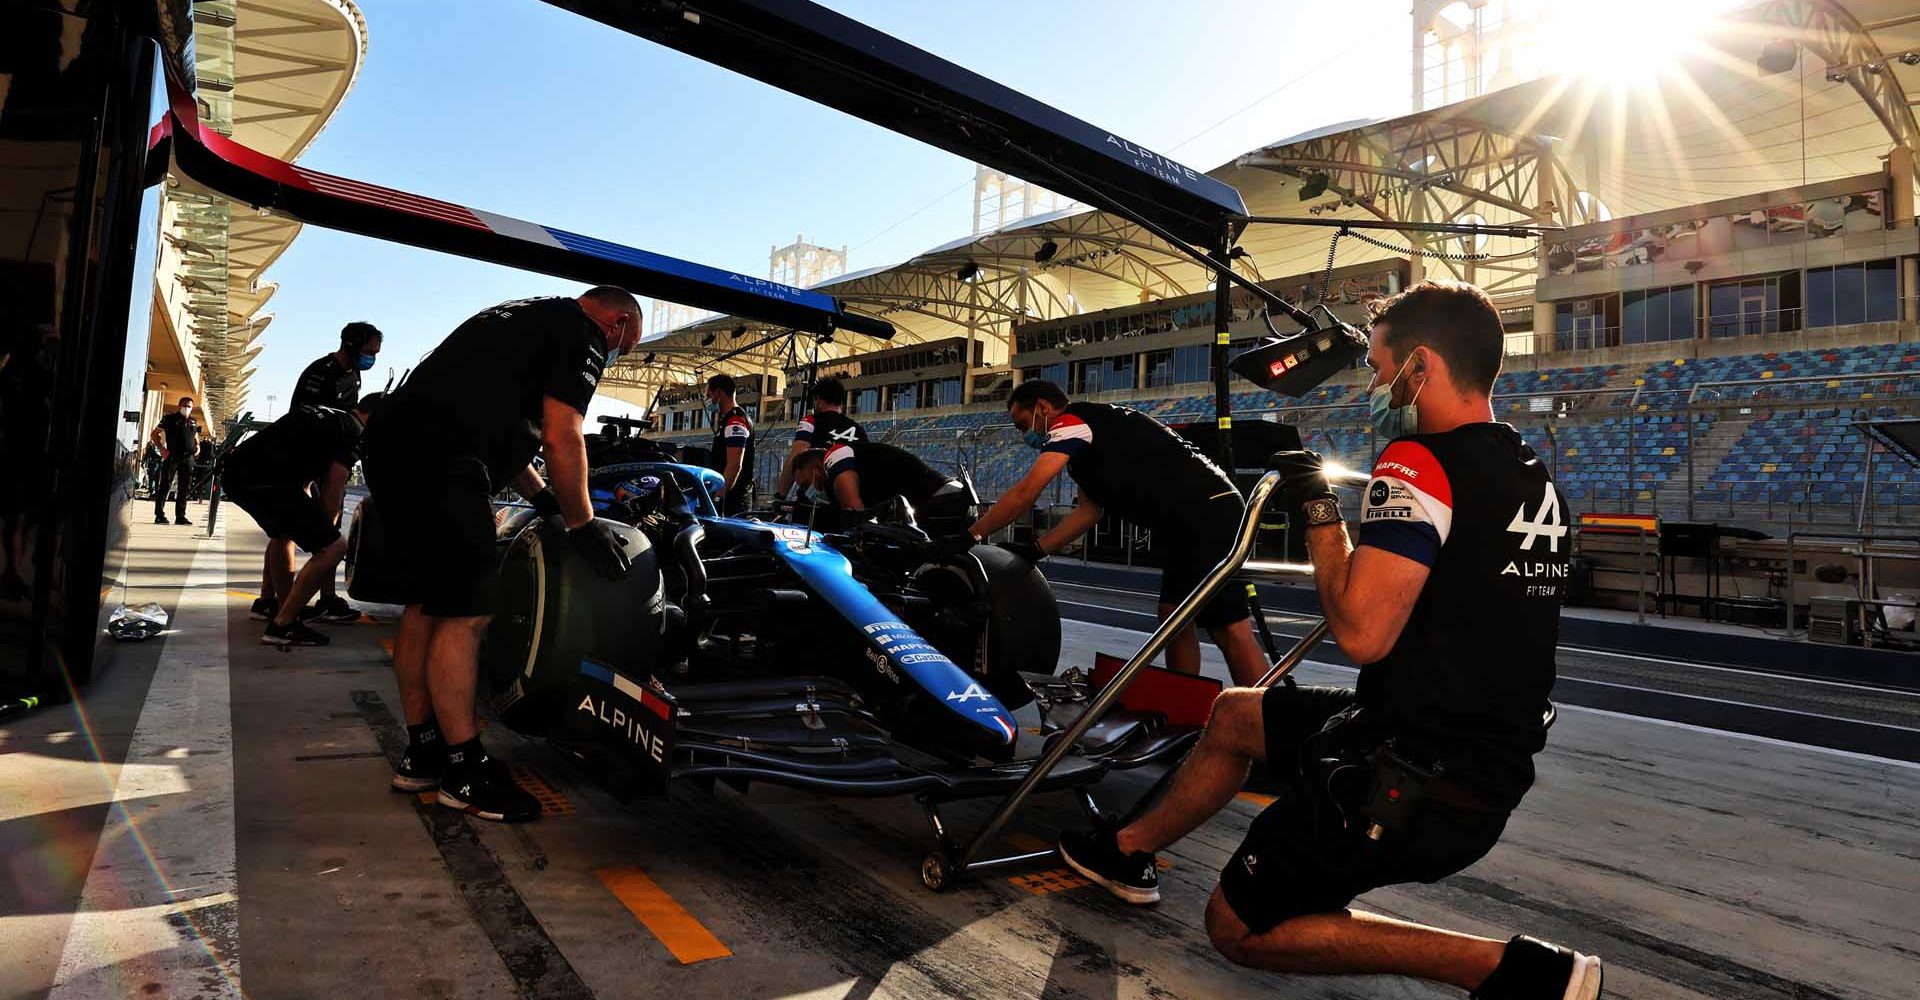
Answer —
263 608
485 789
421 767
182 520
1093 853
160 519
335 612
1532 969
292 634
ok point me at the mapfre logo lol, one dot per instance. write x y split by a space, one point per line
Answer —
1545 523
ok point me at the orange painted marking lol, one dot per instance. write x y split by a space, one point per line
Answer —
552 802
1256 798
429 798
387 644
686 937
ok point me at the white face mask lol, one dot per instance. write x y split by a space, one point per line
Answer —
186 411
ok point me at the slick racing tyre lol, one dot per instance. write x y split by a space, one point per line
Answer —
1018 618
556 614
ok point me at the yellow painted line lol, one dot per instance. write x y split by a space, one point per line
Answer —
1256 798
248 594
686 937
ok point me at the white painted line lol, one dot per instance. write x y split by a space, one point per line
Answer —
1749 737
1744 704
171 826
1770 741
1750 671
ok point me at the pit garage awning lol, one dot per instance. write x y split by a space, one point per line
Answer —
266 183
812 52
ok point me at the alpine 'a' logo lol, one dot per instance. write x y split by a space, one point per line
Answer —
1546 523
973 693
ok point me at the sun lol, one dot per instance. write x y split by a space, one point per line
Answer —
1626 43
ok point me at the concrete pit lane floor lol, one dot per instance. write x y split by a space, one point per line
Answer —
213 820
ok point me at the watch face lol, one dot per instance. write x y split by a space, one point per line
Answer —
1323 511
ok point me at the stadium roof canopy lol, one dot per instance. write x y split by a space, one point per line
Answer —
277 69
1561 150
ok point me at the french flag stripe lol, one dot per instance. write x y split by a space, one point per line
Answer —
518 229
353 190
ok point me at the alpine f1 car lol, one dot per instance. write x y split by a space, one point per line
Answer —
849 660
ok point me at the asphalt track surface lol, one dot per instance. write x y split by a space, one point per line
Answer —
1857 718
215 824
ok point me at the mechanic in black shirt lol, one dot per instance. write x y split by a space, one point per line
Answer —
732 452
825 427
509 382
1451 603
334 379
269 476
1137 468
175 434
857 475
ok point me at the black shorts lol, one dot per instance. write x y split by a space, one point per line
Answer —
1192 550
1302 855
437 511
284 512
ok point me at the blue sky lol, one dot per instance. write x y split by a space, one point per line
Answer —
520 108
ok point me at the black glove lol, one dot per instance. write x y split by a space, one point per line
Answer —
545 503
1025 550
599 544
1302 481
948 546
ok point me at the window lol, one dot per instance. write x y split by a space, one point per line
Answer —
1767 304
1159 367
1584 324
1657 315
1853 293
1191 364
942 392
866 401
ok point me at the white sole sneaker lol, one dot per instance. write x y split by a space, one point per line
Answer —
470 809
1584 983
1127 893
402 783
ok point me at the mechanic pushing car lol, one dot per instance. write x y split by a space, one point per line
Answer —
176 434
1451 602
511 381
1136 467
826 426
732 453
333 381
859 475
269 476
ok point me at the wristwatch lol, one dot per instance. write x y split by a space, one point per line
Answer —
1320 511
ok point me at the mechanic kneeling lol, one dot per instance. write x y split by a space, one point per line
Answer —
859 475
1452 602
507 383
269 475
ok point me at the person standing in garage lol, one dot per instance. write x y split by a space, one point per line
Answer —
175 434
509 382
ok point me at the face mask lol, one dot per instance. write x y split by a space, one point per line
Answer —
1389 422
1036 436
613 354
815 495
365 363
713 407
186 411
